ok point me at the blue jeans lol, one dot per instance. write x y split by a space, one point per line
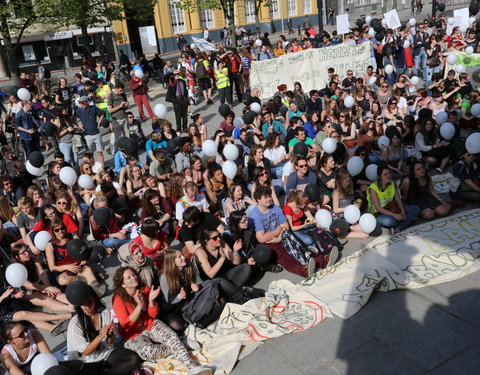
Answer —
303 235
277 171
66 149
114 242
421 62
388 221
432 71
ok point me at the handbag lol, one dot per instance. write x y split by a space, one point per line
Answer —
433 62
203 302
391 206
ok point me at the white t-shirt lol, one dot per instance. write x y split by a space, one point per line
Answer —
116 185
287 170
274 154
77 343
200 202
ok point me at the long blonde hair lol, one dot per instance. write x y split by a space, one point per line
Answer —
343 193
71 203
6 211
176 278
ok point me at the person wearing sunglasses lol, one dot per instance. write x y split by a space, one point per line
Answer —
301 177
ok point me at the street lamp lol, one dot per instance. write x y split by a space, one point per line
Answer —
320 15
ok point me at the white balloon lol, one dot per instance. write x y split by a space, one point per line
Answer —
368 223
42 362
412 21
384 22
68 175
451 58
371 172
372 81
355 165
229 169
463 28
138 73
414 80
255 107
24 95
368 19
459 68
160 110
238 122
469 50
351 214
323 218
85 181
329 145
349 101
475 110
41 239
471 20
406 44
389 69
209 147
258 43
193 46
16 274
472 144
97 167
450 20
371 33
441 117
447 130
383 141
230 152
77 102
34 171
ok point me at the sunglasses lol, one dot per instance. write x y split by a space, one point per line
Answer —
263 174
385 87
215 238
60 229
21 334
302 166
62 203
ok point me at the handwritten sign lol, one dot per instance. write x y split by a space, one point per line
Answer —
343 24
393 21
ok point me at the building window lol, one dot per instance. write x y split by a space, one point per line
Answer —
307 6
274 12
207 18
178 21
292 7
250 10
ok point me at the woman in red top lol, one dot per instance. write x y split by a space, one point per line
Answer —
47 213
301 221
136 309
153 241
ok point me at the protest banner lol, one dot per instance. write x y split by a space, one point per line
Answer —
204 45
471 64
309 67
460 18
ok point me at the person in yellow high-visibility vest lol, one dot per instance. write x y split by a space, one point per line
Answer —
223 84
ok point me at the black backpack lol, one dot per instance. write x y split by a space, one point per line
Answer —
201 70
47 73
203 302
325 241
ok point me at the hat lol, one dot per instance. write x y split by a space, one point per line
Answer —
83 99
282 87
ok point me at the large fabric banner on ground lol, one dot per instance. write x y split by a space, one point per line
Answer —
471 64
308 67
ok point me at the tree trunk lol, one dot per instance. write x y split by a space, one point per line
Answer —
257 12
231 21
12 61
85 39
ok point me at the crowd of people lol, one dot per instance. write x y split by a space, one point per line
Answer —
188 230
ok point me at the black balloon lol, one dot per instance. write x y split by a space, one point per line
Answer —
378 27
262 254
473 8
300 150
36 159
145 80
77 293
85 73
240 151
441 7
121 143
425 113
92 76
77 250
379 36
377 231
102 216
49 129
224 109
98 253
313 192
339 227
173 145
105 123
57 370
476 75
131 146
249 117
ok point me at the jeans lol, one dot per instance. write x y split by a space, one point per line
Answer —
304 236
388 221
373 157
421 62
118 127
432 71
114 242
66 149
277 172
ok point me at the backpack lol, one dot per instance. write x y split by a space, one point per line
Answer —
201 70
47 73
295 247
325 241
203 302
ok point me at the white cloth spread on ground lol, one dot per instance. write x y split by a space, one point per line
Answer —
439 251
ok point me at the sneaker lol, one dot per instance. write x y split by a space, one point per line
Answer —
200 370
313 249
209 101
274 268
310 268
332 257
